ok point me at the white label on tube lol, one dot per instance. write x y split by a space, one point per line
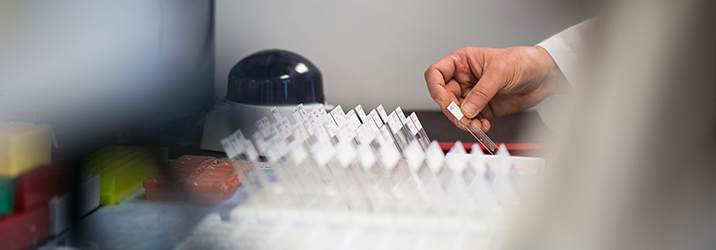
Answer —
228 148
381 112
238 134
307 125
315 122
302 110
299 132
263 124
331 127
296 114
455 110
411 127
352 120
376 118
320 109
338 115
361 113
400 113
416 121
284 128
394 122
275 113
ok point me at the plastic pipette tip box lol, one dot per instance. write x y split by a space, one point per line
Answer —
38 186
197 179
6 193
24 229
122 169
23 147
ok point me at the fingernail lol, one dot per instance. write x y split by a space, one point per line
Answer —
440 102
470 109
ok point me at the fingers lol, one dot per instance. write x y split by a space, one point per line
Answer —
485 124
436 86
452 78
454 88
489 84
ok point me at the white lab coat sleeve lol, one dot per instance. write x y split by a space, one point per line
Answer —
567 50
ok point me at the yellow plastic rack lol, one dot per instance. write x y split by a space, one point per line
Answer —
122 169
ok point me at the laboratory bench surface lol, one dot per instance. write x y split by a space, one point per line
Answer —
137 223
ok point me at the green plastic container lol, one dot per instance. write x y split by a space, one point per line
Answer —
6 188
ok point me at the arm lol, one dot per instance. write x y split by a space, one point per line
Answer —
567 51
489 82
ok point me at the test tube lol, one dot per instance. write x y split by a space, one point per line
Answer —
396 129
407 133
361 113
382 114
419 132
474 129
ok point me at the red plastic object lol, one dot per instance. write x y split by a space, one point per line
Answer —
198 179
160 188
522 149
213 185
36 187
25 229
166 186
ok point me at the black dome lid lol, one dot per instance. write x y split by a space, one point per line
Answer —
274 77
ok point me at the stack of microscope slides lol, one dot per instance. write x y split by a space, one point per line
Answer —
357 181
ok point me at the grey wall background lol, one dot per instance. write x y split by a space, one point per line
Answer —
374 52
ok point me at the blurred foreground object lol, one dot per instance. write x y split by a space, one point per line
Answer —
26 184
23 146
24 229
635 168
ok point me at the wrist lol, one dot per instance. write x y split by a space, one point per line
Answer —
553 79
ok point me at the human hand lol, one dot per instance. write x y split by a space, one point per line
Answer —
489 82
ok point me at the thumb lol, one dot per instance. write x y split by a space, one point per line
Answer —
487 86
